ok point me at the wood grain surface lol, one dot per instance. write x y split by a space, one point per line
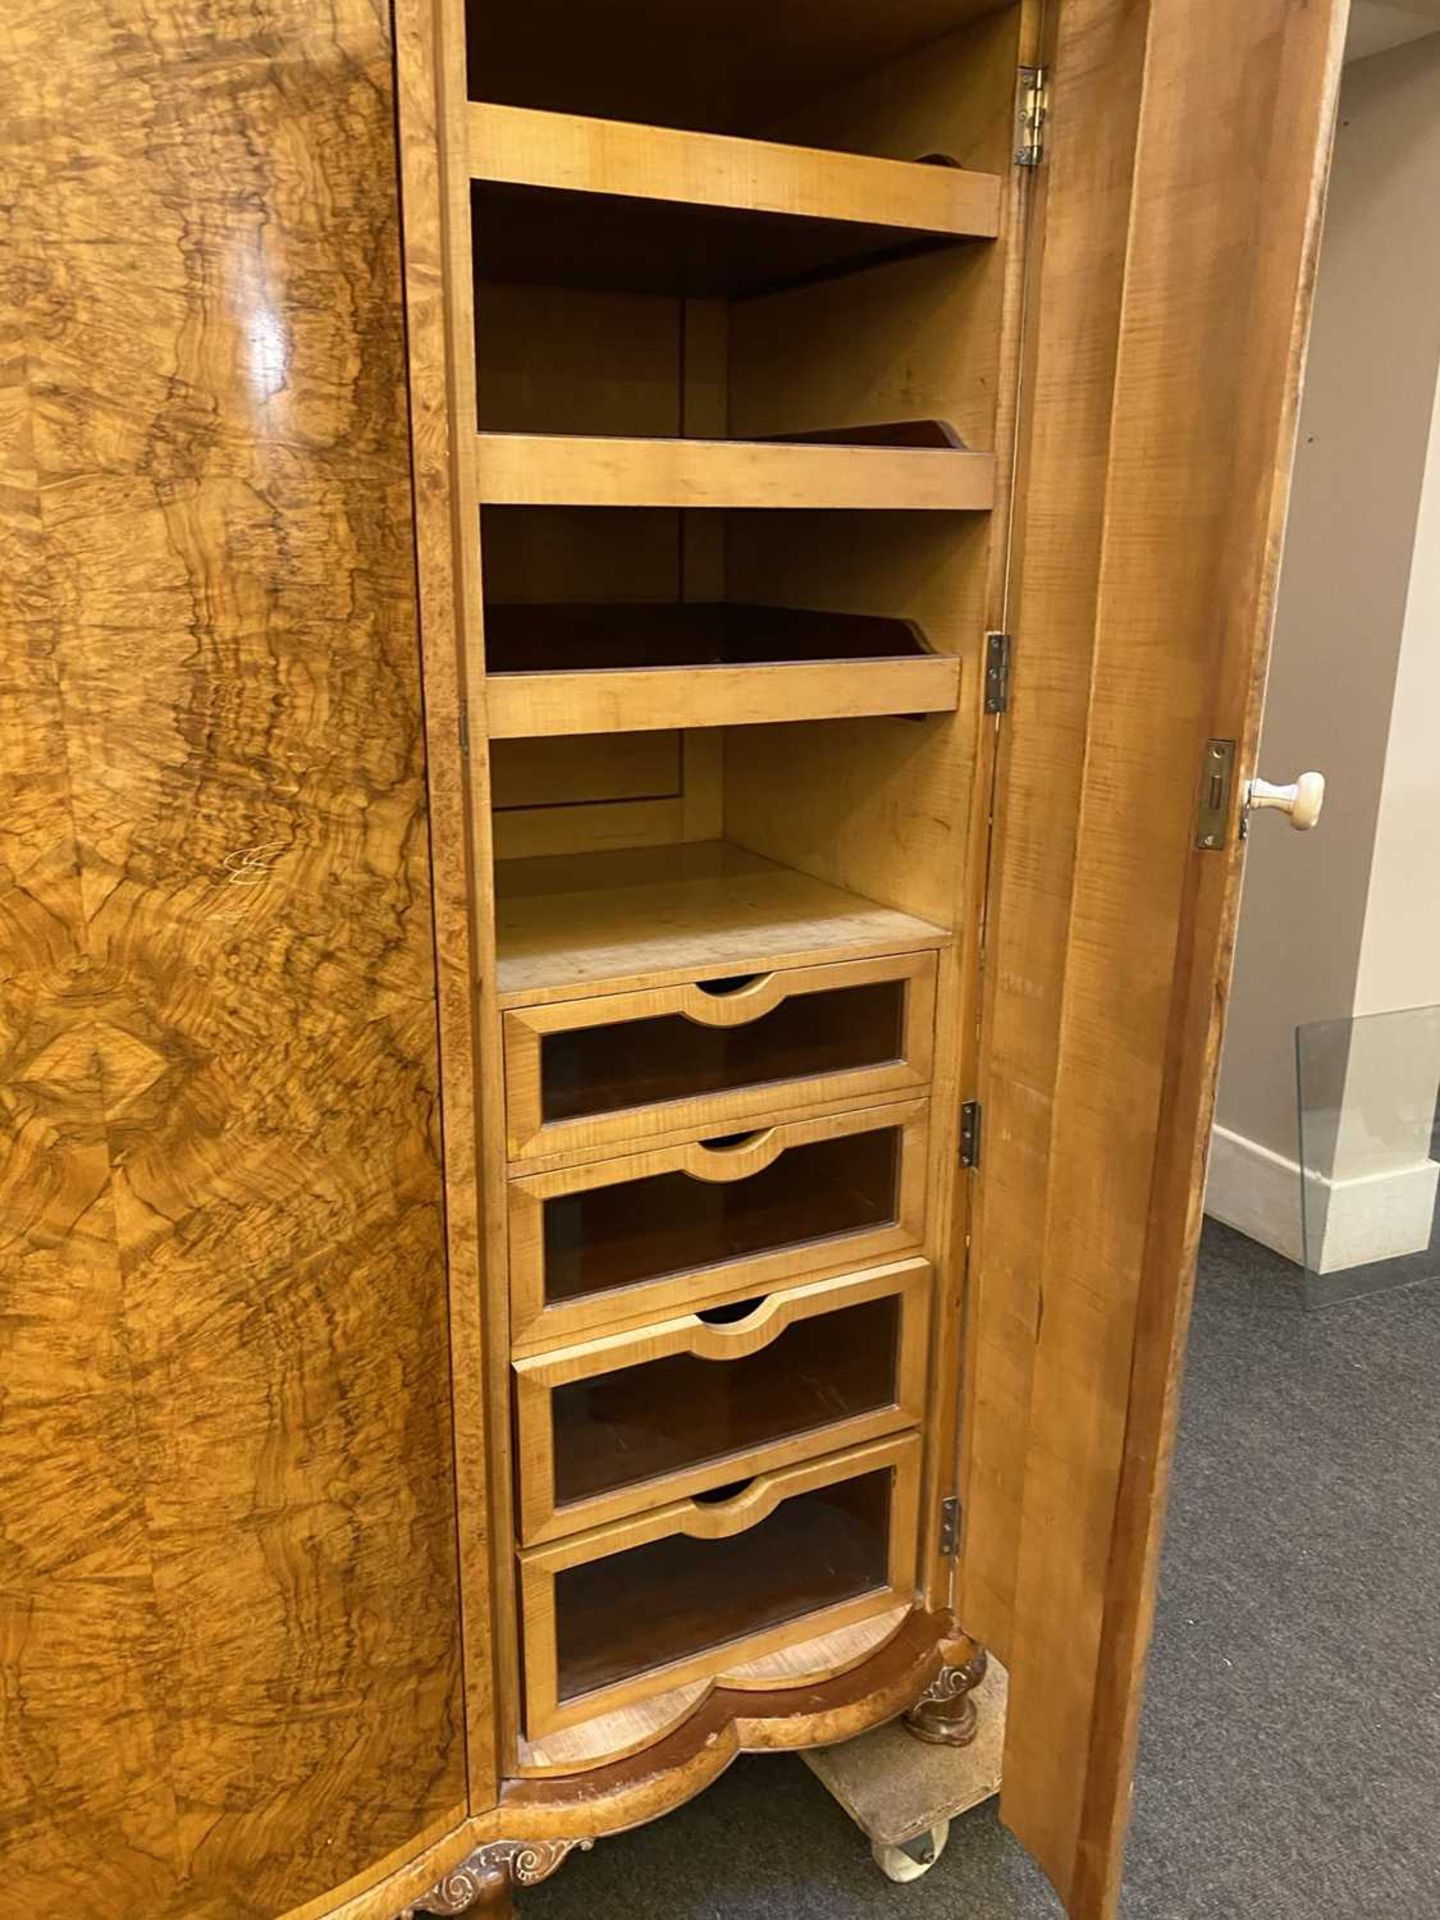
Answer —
818 1386
794 1568
613 470
573 926
1166 342
463 944
584 155
640 1064
227 1550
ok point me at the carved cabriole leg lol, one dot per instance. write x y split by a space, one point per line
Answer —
485 1883
945 1714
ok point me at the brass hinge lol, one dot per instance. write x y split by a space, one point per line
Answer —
464 727
1217 786
1034 110
997 672
970 1126
950 1527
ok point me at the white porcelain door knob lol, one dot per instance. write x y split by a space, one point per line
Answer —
1302 799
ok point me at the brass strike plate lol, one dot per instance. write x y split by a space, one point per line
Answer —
1217 784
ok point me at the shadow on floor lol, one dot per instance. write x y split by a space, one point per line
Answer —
1290 1754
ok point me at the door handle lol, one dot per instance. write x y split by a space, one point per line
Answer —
1302 799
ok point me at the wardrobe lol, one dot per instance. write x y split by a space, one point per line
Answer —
639 629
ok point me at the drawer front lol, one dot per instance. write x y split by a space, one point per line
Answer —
622 1422
586 1076
613 1241
696 1588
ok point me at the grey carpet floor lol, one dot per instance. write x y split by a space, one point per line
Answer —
1290 1750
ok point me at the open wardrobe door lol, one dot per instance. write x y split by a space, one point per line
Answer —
1168 300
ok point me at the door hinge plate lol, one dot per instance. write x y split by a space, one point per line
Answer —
997 672
970 1129
1217 787
950 1527
1033 112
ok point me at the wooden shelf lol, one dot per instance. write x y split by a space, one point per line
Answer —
566 470
574 924
603 203
565 669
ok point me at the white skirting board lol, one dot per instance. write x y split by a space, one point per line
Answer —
1256 1191
1377 1216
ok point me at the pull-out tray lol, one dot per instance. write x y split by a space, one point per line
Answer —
688 1225
609 203
898 469
622 1422
630 667
604 1075
688 1591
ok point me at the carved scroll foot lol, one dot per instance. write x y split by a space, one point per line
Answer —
485 1883
945 1715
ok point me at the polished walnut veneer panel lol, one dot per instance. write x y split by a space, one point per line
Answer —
227 1551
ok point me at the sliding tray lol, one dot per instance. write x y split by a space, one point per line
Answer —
621 668
622 1612
603 203
618 1241
909 466
622 1422
586 1076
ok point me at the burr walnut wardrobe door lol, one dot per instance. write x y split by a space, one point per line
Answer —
230 1615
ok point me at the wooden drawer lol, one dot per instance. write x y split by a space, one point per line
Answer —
619 1422
699 1586
588 1075
620 1240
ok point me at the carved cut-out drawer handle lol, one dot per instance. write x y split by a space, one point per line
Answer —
730 1510
737 1337
734 1002
735 1157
